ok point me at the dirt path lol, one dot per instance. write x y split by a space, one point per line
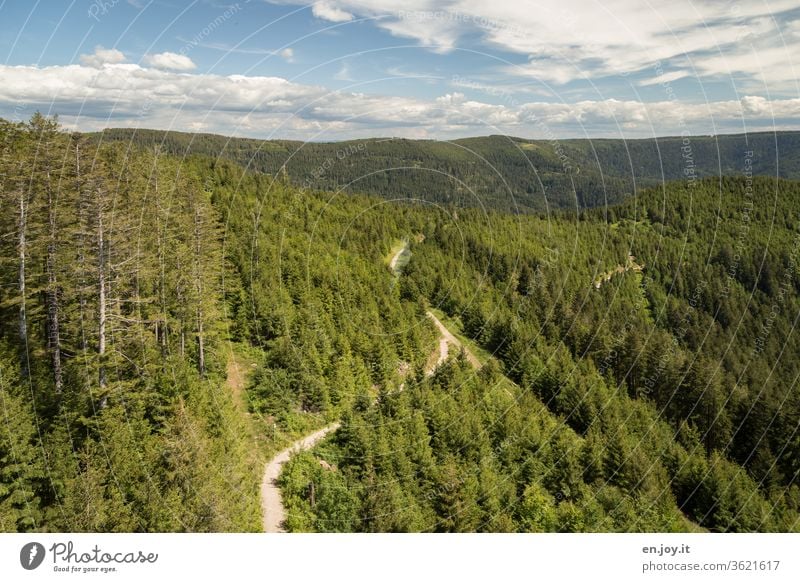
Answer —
449 338
443 353
272 512
396 258
631 265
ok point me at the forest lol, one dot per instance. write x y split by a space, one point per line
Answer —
660 399
496 172
636 360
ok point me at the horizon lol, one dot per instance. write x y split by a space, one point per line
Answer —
467 137
336 70
353 267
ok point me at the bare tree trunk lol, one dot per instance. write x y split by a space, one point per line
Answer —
53 331
201 357
162 292
181 301
82 250
23 317
101 277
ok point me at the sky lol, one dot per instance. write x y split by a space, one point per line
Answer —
438 69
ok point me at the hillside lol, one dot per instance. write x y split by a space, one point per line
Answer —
127 279
499 172
662 400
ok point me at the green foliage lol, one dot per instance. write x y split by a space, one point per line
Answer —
638 372
21 467
633 406
498 172
114 417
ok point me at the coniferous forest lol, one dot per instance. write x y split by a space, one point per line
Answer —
497 171
171 318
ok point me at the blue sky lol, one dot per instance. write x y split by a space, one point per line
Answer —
337 69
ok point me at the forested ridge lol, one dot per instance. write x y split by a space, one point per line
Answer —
129 278
495 172
663 399
111 344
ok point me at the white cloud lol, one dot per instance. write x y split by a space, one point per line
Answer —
658 116
665 78
171 61
589 40
122 94
101 56
327 11
286 54
344 73
438 34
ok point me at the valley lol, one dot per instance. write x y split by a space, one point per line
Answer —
177 321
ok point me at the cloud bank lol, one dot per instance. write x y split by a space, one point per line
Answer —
106 91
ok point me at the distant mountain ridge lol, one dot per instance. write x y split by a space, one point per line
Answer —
499 172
